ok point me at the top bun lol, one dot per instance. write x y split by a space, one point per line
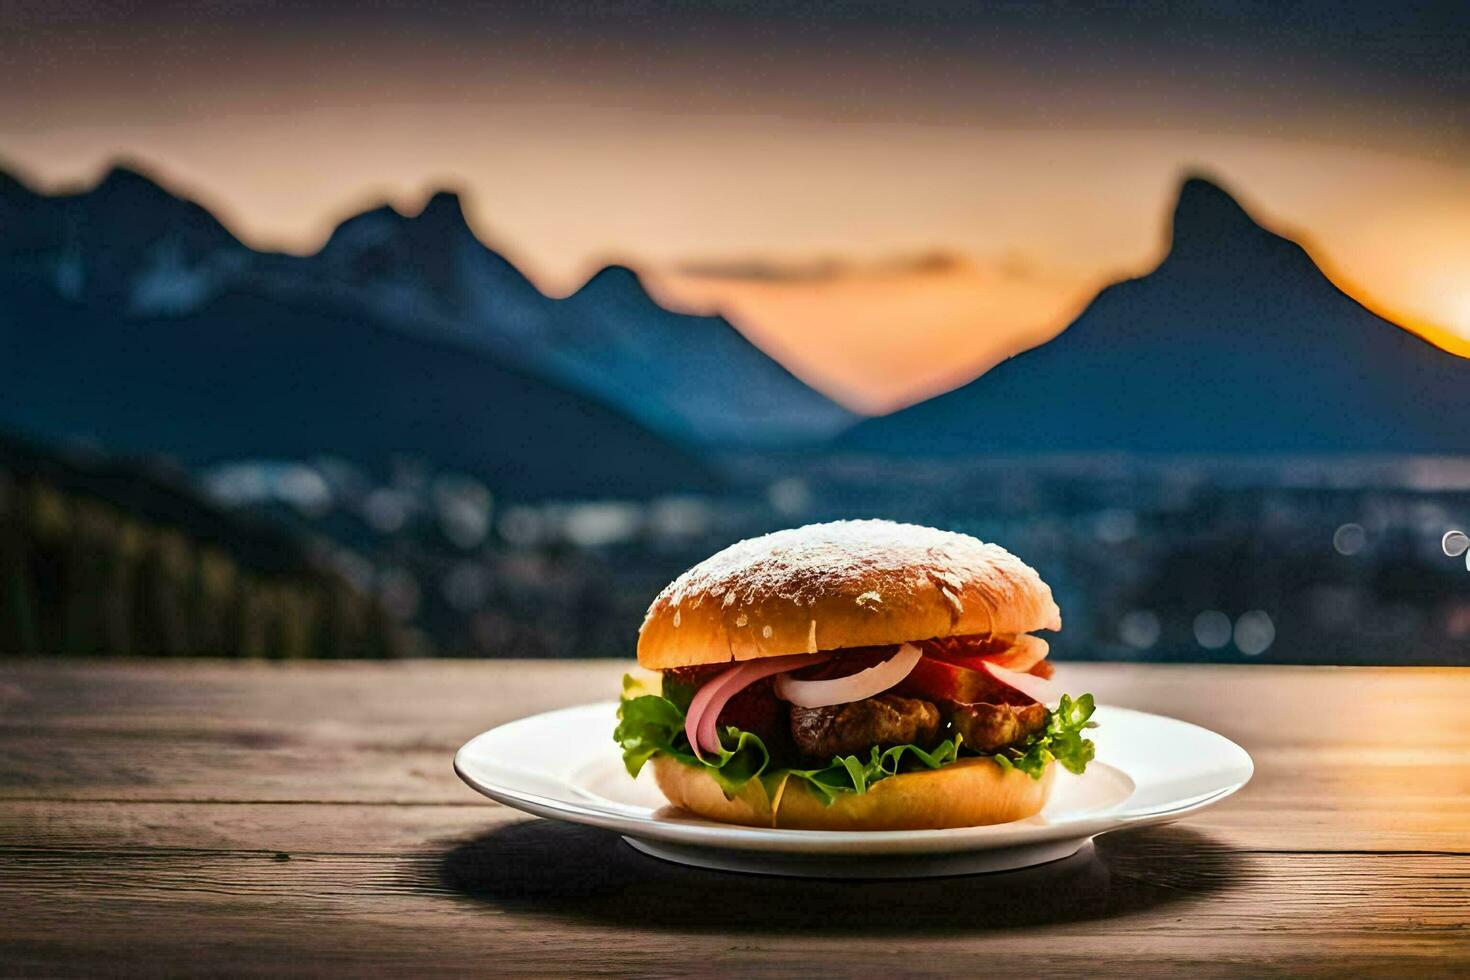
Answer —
845 584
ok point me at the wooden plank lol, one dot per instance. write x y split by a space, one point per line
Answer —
269 828
295 826
384 733
1392 791
1351 846
1254 820
1285 706
192 730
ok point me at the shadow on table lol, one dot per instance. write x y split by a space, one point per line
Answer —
589 874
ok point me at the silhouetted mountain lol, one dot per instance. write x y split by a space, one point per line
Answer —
427 270
130 243
677 372
126 242
1236 343
247 376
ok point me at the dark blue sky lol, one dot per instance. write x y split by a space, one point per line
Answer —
1224 56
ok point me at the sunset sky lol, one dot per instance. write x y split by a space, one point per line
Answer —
886 197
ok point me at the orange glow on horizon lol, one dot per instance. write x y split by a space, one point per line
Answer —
877 341
1445 339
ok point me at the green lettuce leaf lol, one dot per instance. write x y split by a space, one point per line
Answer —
649 724
1061 740
850 774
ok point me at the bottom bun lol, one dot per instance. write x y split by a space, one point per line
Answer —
968 793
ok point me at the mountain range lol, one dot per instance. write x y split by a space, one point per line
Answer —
1235 344
134 247
133 319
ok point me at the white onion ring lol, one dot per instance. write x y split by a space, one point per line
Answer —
1038 689
1025 652
704 710
854 687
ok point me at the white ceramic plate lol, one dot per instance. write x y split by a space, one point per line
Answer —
565 765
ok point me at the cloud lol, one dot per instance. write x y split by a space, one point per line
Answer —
823 269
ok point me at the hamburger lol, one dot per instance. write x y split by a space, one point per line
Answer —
857 675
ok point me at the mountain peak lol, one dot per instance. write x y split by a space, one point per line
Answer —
1206 219
442 217
443 204
439 221
128 196
129 205
124 179
615 283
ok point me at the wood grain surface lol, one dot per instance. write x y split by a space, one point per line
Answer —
186 817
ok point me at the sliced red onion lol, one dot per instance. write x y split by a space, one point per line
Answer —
700 702
1038 689
854 687
701 735
700 724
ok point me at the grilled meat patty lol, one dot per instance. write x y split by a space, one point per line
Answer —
847 729
989 727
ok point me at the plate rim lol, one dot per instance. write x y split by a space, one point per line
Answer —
740 837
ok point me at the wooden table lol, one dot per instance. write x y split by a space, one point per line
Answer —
191 817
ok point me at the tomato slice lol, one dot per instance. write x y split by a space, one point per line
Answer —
954 648
940 680
1020 653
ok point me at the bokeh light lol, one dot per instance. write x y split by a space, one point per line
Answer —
1349 539
1139 628
1212 629
1254 633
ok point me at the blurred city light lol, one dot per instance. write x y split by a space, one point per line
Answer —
1212 629
679 517
1349 539
463 507
522 526
386 510
1115 526
1144 559
258 482
789 496
603 523
1254 633
1139 629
